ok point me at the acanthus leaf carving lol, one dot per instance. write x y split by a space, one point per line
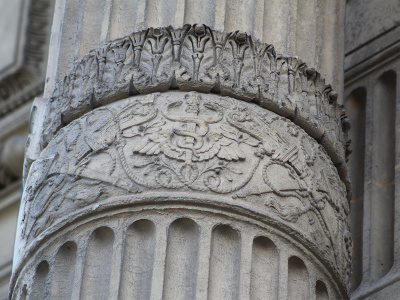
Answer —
196 57
214 145
191 142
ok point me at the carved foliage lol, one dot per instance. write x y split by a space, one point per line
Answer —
191 142
199 58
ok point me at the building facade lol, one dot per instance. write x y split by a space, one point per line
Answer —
371 100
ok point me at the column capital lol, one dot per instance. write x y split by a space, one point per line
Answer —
198 58
170 136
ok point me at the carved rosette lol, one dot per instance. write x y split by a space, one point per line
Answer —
118 138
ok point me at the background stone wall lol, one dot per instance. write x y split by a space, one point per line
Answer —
371 99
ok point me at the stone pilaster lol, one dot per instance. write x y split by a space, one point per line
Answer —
186 163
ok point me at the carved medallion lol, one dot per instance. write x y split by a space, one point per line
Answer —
198 58
192 142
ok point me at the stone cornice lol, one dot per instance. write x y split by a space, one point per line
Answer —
198 58
28 79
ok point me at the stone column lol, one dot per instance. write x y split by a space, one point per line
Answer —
185 163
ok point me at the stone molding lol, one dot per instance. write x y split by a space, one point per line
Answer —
198 58
29 78
163 210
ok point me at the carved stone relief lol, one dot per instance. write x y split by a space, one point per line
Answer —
169 117
199 58
194 142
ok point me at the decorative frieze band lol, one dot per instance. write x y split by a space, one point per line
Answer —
162 119
198 58
190 144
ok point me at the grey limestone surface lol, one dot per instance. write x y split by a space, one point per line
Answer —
182 160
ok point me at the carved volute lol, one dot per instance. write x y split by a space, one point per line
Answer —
186 163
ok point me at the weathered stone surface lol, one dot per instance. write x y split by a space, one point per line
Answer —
166 246
199 58
310 29
182 162
372 103
381 18
11 159
174 146
23 79
10 21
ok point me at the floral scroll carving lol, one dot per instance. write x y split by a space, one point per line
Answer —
193 142
198 58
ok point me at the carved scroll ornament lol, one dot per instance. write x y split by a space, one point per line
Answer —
177 142
198 58
159 111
